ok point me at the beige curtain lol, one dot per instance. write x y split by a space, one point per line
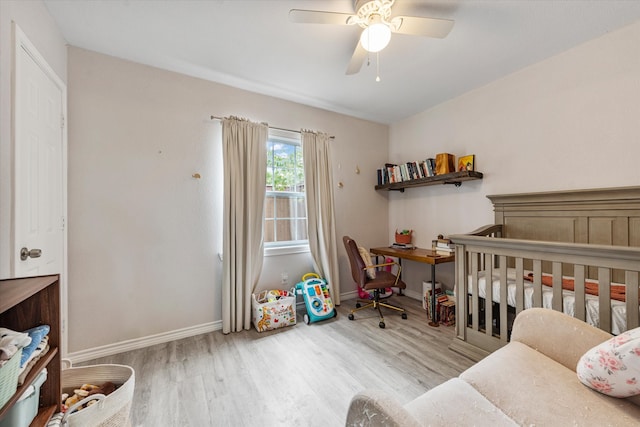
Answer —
320 210
244 150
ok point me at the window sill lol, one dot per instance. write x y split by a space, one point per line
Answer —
286 250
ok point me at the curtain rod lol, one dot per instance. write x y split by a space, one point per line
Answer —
271 127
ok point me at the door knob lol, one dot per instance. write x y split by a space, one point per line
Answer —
26 253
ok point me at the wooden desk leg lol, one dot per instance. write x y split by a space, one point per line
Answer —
434 313
400 277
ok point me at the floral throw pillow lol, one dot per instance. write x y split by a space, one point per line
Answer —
366 257
613 367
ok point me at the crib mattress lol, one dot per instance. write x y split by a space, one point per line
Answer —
618 308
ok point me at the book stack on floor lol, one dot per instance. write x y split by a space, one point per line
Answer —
445 303
443 246
447 312
426 295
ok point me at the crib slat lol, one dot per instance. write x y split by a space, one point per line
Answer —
557 286
504 307
579 294
462 285
537 283
475 308
604 298
488 301
519 285
631 281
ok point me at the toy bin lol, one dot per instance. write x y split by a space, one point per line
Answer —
26 408
109 411
273 309
9 373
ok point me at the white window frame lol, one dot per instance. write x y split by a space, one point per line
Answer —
291 246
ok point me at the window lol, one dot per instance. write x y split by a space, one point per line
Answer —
285 219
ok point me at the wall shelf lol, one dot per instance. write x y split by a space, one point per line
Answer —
455 178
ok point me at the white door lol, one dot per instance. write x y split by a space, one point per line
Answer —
38 241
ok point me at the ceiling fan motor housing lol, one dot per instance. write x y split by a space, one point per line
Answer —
366 8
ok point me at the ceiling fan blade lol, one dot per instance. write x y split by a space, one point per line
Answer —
301 16
419 26
357 59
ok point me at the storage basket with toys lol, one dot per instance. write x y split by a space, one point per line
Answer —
273 309
97 395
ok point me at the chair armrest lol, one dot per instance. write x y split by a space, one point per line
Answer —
376 408
384 264
556 335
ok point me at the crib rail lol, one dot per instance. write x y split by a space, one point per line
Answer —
486 325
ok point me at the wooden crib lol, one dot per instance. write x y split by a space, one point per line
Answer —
574 251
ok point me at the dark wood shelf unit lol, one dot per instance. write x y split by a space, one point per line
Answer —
455 178
29 302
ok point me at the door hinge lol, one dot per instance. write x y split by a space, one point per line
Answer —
63 223
62 121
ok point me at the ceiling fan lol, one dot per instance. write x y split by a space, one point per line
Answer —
374 16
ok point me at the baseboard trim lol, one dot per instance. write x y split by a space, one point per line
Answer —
412 294
138 343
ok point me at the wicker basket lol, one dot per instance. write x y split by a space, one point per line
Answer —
112 410
9 373
403 238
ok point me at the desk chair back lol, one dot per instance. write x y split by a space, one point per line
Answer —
383 280
358 267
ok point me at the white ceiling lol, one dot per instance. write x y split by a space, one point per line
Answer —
251 44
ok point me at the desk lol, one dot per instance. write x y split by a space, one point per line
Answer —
426 256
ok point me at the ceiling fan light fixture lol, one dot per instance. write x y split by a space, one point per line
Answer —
376 36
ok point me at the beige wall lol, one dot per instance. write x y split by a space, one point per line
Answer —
569 122
34 20
144 236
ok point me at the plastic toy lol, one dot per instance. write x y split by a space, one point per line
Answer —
315 292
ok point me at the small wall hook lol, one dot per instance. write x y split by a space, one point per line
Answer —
357 170
340 184
196 176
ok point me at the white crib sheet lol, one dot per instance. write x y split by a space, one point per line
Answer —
618 308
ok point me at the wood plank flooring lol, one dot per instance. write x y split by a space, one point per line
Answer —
304 375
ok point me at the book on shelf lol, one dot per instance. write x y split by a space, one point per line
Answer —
431 166
466 163
408 171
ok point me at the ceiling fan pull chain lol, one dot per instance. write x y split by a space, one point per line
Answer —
377 66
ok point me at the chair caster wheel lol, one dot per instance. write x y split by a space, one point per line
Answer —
351 316
404 315
381 324
358 305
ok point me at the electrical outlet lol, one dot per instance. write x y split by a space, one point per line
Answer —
285 278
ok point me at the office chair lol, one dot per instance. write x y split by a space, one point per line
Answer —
383 279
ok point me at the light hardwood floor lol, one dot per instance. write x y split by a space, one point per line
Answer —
304 375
